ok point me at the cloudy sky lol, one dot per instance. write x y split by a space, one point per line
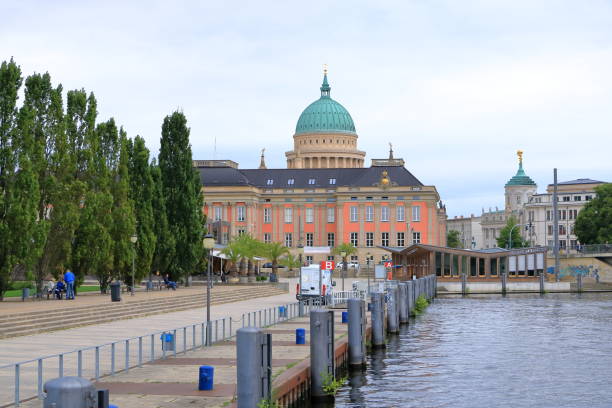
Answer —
456 86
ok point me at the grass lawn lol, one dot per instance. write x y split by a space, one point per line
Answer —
81 289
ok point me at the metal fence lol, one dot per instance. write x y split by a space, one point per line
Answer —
583 249
342 296
24 380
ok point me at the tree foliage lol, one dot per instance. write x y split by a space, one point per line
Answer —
452 239
594 222
503 241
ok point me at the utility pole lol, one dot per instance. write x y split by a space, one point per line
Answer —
556 225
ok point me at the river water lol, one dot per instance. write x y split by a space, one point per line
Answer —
492 351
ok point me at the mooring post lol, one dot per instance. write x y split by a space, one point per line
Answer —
410 296
435 278
403 302
579 281
542 278
321 351
356 332
463 284
253 366
392 310
378 319
504 281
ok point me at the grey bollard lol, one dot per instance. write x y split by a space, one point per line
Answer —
253 366
356 332
435 285
404 315
463 284
504 282
70 392
579 282
103 399
542 283
410 296
301 309
322 362
392 311
378 319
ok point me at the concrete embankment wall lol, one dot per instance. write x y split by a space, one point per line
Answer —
496 287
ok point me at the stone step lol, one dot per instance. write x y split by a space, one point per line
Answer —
27 327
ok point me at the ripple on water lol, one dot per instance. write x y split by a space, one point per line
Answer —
493 351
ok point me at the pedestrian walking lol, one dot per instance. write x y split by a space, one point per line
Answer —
69 279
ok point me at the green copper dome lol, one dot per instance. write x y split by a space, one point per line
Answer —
520 179
325 115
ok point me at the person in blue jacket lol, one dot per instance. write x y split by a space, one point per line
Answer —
69 279
59 289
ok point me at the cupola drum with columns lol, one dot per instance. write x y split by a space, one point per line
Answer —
325 136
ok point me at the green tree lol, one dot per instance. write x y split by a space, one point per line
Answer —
274 251
594 221
233 257
181 186
452 239
19 230
290 261
165 243
503 240
348 248
141 195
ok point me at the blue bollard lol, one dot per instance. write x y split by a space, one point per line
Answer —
300 336
112 406
344 317
282 311
207 374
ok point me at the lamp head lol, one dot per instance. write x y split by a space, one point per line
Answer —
343 253
134 239
209 241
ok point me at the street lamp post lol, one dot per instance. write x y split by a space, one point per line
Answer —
133 239
343 255
368 264
208 243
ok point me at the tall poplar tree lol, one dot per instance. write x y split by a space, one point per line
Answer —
18 183
165 245
141 194
181 186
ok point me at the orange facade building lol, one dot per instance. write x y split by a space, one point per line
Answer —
325 197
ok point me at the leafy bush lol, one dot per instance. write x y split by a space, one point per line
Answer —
420 305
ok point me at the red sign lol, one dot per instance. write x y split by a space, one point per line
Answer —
327 265
388 264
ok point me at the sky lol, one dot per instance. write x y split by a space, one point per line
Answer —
457 86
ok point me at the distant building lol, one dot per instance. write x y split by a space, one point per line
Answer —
470 231
325 197
532 211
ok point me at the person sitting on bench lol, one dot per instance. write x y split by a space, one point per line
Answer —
169 284
60 287
49 287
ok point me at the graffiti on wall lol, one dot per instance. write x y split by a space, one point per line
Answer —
575 270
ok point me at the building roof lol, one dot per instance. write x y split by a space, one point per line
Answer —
579 181
325 115
344 177
520 178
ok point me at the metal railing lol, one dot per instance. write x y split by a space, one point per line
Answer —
342 296
584 249
24 380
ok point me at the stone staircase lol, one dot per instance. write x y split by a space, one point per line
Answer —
23 324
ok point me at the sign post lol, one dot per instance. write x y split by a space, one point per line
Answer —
389 264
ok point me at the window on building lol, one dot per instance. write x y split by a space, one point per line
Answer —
354 216
548 215
572 214
218 213
331 239
291 181
562 214
353 198
267 215
288 215
312 181
562 244
332 181
562 230
399 213
241 231
309 239
355 238
269 182
288 240
549 229
588 198
309 215
486 233
384 213
225 238
369 213
267 238
384 239
331 214
518 199
241 212
573 243
309 259
416 213
577 198
416 237
330 257
566 198
369 239
400 239
531 216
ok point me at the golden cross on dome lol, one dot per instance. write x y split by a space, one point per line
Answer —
519 153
